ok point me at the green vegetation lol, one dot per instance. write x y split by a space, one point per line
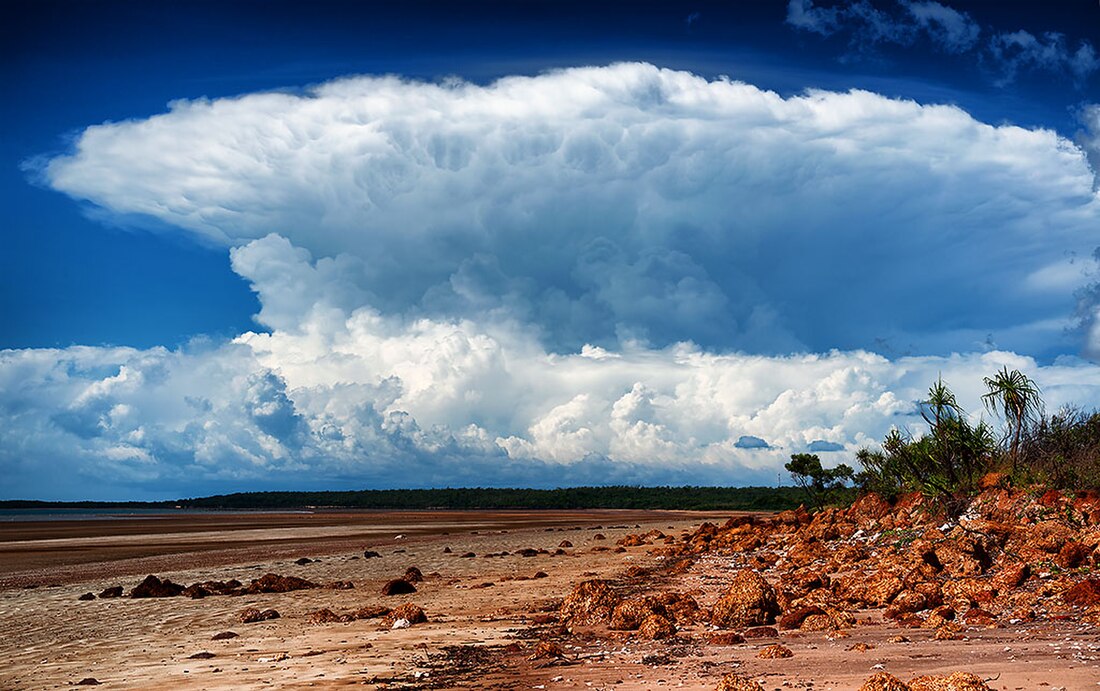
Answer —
618 497
1058 452
821 485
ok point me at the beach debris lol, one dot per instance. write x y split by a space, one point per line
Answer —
564 544
224 635
748 601
274 583
446 550
775 651
736 682
398 586
883 681
251 615
407 613
154 587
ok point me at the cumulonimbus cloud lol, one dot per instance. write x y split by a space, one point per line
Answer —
629 203
337 396
594 275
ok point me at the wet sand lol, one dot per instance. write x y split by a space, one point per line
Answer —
485 614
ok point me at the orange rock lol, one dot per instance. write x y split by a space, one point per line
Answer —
959 681
736 682
881 681
775 652
749 601
656 627
591 602
407 612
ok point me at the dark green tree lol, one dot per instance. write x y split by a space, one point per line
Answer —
821 485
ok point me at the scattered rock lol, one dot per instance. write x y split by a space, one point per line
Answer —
398 586
413 575
564 544
775 652
224 636
547 650
204 655
88 681
303 561
154 587
726 638
251 615
591 602
736 682
541 574
959 681
881 681
761 632
404 616
656 627
87 596
749 601
114 591
1084 594
340 585
274 583
371 554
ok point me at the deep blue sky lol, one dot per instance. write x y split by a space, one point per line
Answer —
67 279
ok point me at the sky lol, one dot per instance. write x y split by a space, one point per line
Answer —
342 245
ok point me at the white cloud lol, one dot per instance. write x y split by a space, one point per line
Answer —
1008 53
618 204
343 398
594 275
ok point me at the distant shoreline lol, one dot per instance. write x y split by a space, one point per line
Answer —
685 498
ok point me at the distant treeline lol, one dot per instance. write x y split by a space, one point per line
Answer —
617 497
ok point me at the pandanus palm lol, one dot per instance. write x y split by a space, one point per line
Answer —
1015 396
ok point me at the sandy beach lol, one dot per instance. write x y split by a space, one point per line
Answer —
487 614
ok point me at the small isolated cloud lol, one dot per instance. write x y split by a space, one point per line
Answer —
751 442
822 446
1006 54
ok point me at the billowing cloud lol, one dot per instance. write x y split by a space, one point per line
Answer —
1007 53
337 395
626 204
620 274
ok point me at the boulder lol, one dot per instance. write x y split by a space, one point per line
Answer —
154 587
398 586
775 651
656 626
413 575
959 681
1084 594
251 615
736 682
748 601
408 612
881 681
87 596
591 602
274 583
